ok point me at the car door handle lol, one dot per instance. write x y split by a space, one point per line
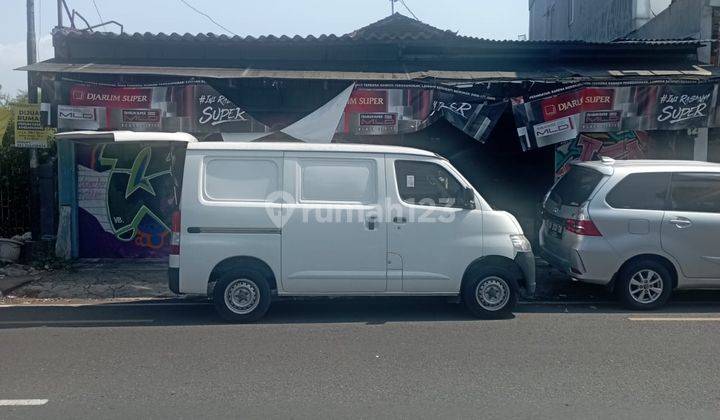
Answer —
399 220
372 222
681 222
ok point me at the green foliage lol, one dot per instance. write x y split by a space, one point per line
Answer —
10 157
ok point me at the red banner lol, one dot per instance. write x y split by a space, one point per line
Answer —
588 99
110 97
367 101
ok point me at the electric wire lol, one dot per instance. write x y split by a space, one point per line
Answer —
408 9
97 9
208 17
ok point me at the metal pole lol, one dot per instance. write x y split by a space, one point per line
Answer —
33 98
392 7
31 50
60 13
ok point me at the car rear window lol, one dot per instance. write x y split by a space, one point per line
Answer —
575 187
642 191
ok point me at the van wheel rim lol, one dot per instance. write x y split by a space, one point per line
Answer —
492 293
242 296
646 286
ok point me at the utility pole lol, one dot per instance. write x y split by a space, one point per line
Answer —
33 98
392 7
31 50
60 13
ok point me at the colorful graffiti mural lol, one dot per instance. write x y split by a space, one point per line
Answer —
590 146
126 197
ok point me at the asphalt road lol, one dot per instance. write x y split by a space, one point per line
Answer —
361 358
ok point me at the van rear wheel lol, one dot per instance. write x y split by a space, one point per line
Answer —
242 296
491 293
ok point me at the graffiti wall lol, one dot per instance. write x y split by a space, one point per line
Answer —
127 194
590 146
659 144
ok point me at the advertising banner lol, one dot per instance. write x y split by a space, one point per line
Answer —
110 97
194 108
377 123
214 112
29 129
136 119
396 109
681 107
370 110
80 117
557 118
475 118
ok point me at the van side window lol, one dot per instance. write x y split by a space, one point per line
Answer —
338 180
228 179
699 192
426 184
641 191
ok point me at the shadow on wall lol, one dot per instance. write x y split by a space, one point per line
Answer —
508 178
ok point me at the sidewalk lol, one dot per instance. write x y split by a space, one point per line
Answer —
112 279
89 279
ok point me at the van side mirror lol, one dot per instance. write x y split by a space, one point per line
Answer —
468 199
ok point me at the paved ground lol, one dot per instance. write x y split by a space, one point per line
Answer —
93 279
361 358
107 279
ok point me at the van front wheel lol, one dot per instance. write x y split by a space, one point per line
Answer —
491 293
242 296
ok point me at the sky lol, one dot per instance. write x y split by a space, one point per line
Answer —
494 19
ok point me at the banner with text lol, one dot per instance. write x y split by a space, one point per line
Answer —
30 132
396 109
194 108
562 117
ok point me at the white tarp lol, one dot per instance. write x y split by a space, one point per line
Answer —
320 126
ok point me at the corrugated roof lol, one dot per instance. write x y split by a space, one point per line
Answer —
677 72
393 28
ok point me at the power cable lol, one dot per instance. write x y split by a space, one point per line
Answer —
208 17
408 9
97 9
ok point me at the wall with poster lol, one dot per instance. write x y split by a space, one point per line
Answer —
556 118
127 194
195 108
386 109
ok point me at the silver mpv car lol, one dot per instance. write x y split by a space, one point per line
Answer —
642 227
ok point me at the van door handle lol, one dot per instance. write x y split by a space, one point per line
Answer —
371 222
399 220
681 222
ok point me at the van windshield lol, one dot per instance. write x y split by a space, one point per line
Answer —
575 187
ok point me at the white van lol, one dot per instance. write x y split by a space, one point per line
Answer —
261 221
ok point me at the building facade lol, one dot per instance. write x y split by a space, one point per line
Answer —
608 20
510 115
590 20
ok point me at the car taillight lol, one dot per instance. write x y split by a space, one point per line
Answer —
175 234
582 227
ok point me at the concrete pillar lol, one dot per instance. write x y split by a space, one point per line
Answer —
701 144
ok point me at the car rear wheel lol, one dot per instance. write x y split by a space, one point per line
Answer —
644 284
490 294
242 296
